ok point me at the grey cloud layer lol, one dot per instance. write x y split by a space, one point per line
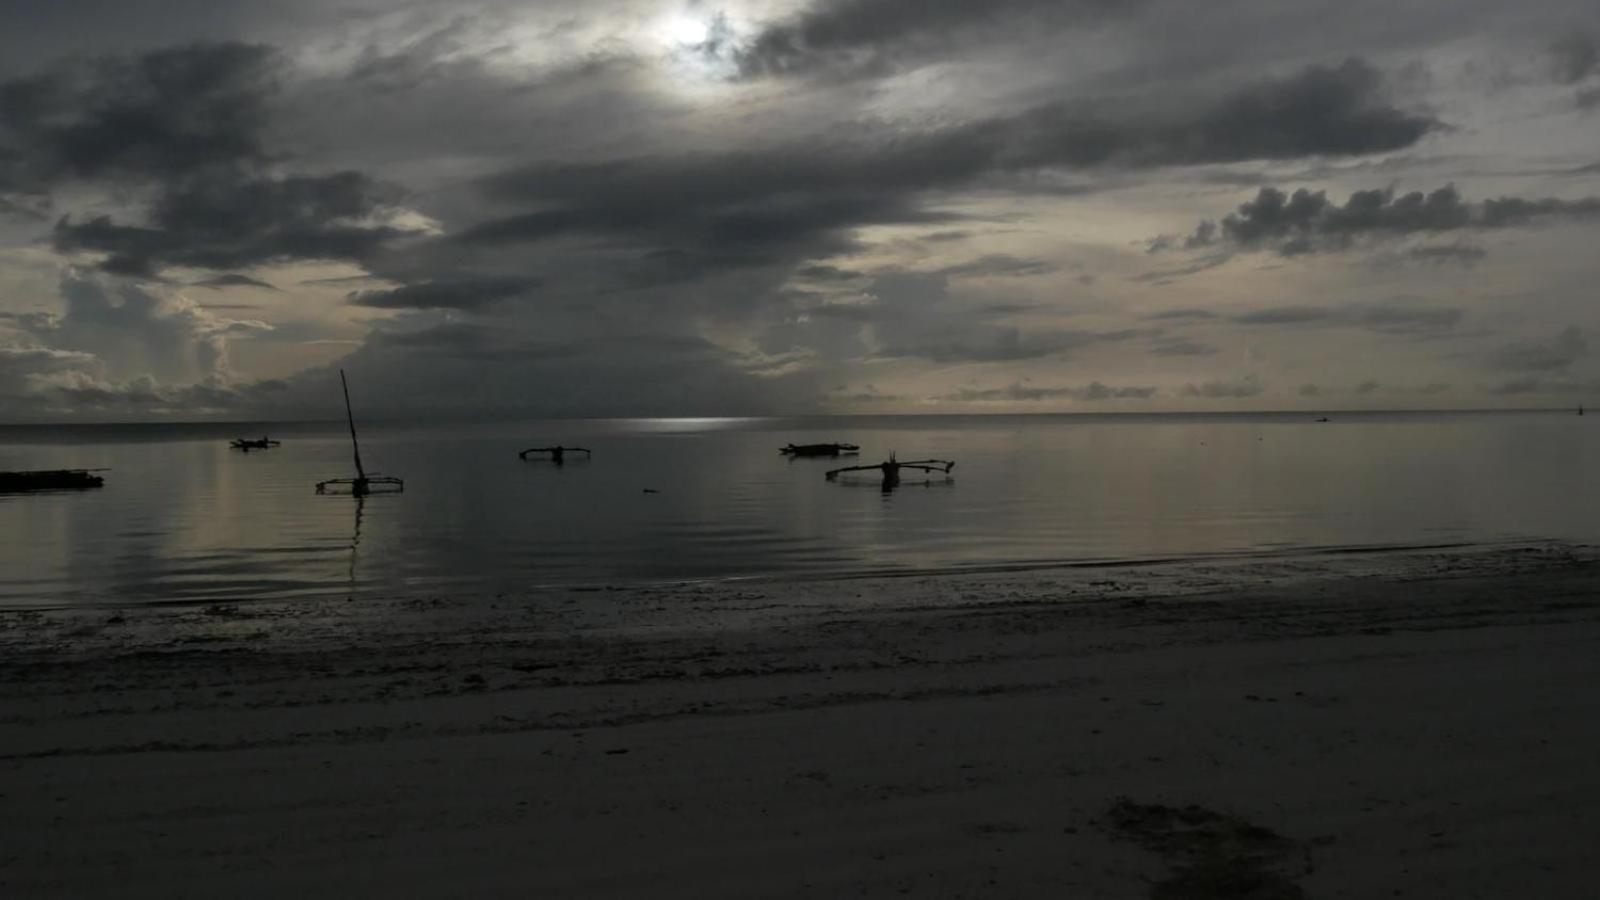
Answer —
862 37
1307 221
188 125
1019 391
1394 319
651 195
776 195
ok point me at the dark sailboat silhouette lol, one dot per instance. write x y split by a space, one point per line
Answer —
363 484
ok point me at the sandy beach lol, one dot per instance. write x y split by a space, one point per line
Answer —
1419 724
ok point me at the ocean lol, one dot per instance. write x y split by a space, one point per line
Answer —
184 518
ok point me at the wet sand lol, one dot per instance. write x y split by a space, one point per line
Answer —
1421 724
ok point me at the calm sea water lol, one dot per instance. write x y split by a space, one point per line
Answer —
184 518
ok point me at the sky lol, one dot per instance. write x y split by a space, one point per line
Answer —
487 209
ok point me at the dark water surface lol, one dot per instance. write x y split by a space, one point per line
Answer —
184 518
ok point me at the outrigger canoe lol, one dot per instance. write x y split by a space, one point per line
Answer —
50 480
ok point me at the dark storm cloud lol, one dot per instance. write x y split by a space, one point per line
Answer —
1308 222
1387 318
158 115
226 220
829 274
865 37
1574 57
809 197
460 293
1554 354
184 126
1022 391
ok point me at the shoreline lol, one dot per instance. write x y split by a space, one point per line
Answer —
1423 725
1327 556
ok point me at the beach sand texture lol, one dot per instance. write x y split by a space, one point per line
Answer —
1422 724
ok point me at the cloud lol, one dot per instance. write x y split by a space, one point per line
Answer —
1185 315
158 115
1554 354
1001 344
868 37
134 331
1308 222
1373 386
1248 386
1175 346
1447 254
916 315
810 196
24 370
1022 391
1285 315
999 265
182 132
1544 385
233 280
1573 58
227 220
460 293
1388 318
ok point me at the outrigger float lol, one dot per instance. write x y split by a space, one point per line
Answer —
891 469
363 484
819 450
248 444
557 454
50 480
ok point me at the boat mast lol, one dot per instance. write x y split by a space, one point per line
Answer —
356 445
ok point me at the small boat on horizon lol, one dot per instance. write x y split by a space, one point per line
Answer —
793 450
557 454
50 480
248 444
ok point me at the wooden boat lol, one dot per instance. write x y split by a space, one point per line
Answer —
557 454
819 450
363 484
50 480
891 469
248 444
